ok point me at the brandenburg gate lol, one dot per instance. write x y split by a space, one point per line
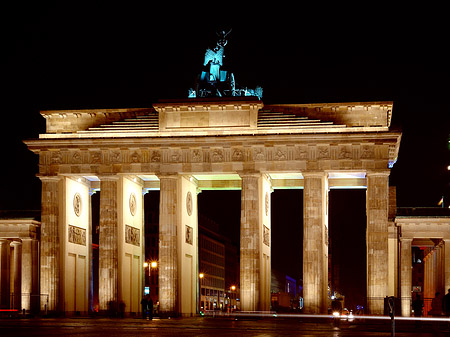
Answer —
181 147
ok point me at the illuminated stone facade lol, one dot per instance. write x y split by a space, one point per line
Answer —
432 234
180 147
19 265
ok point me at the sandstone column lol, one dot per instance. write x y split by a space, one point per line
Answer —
250 244
405 275
4 273
108 243
30 284
17 274
50 244
315 242
168 256
377 240
446 265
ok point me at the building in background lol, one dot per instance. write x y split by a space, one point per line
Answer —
217 290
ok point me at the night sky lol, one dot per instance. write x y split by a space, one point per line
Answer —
79 54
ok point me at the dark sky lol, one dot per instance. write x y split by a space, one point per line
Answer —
76 54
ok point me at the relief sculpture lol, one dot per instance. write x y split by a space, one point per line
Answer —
132 235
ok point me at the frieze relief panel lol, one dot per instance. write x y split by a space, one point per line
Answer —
345 152
323 152
136 160
266 236
237 154
217 155
77 235
259 153
132 235
301 152
155 156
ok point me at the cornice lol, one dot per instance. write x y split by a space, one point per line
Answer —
135 142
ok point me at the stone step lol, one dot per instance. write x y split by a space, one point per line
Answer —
123 123
113 130
142 118
288 120
304 126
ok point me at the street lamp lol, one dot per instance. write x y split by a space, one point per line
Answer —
151 265
233 288
200 276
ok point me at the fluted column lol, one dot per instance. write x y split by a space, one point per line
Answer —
441 270
377 240
315 242
446 265
108 243
30 284
168 254
4 273
405 275
249 244
17 274
50 244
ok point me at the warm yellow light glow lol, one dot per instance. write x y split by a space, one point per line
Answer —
201 275
145 264
233 288
154 264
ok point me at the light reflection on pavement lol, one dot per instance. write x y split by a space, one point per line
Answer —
221 326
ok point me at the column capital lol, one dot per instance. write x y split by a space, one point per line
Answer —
28 239
108 177
167 175
249 173
406 240
383 172
16 243
316 174
49 178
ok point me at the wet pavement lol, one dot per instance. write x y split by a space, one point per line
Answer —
209 326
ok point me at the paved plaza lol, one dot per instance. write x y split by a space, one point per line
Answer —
208 326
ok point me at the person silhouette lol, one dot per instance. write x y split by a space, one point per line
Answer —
446 304
418 306
144 305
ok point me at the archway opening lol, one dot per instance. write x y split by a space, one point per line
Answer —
347 246
287 251
428 284
219 235
95 229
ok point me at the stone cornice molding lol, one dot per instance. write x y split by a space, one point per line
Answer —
54 178
71 141
19 228
420 227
